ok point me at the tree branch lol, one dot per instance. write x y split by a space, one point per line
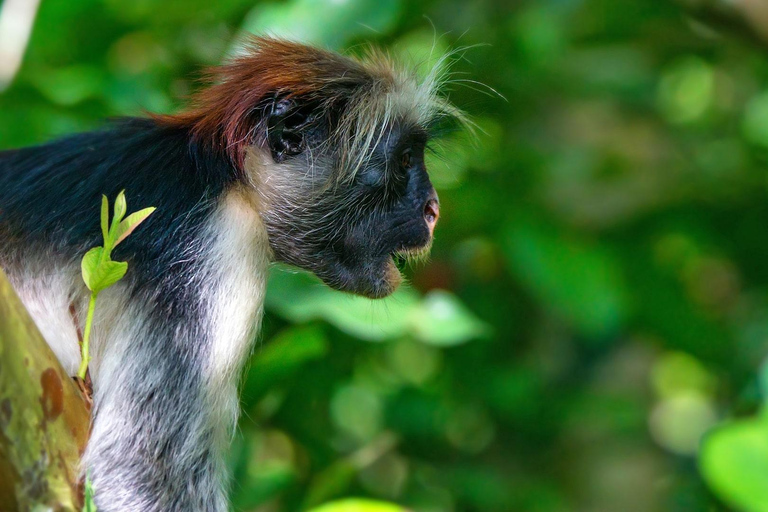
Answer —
44 422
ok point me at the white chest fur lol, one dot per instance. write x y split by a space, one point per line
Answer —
238 261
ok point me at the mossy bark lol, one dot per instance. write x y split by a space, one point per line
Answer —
44 421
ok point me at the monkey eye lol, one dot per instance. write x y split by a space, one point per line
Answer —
298 119
290 128
406 159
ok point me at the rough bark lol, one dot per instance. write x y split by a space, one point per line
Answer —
44 421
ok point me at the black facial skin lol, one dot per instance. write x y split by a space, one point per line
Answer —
348 234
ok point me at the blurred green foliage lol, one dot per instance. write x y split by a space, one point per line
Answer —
596 300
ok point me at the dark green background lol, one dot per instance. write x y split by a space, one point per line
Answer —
596 297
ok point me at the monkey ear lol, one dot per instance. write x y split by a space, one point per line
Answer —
286 125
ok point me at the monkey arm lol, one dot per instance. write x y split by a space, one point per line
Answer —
151 445
165 384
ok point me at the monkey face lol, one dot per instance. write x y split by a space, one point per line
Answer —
350 228
332 149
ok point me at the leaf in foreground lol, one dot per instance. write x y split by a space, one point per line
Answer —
734 461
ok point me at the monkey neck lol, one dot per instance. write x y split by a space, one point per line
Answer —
238 262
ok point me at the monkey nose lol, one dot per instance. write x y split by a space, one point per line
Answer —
431 214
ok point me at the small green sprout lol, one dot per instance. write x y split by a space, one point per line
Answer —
99 271
88 504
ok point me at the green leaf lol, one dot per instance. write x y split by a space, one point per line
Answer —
99 272
437 319
105 218
358 505
90 264
121 206
88 503
443 320
131 222
734 460
110 272
301 297
372 320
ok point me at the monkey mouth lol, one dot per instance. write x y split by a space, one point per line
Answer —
386 274
409 255
406 256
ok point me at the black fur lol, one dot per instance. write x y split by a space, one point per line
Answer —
50 194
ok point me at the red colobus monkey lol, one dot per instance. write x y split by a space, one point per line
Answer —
292 154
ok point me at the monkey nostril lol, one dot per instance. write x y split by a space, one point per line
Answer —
431 213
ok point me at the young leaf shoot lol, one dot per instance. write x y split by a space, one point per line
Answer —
98 269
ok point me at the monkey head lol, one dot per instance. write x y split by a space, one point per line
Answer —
345 219
333 149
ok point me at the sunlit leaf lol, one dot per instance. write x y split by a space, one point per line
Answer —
99 272
131 222
302 298
109 273
359 505
104 218
88 504
734 460
439 318
121 206
368 319
444 320
89 266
